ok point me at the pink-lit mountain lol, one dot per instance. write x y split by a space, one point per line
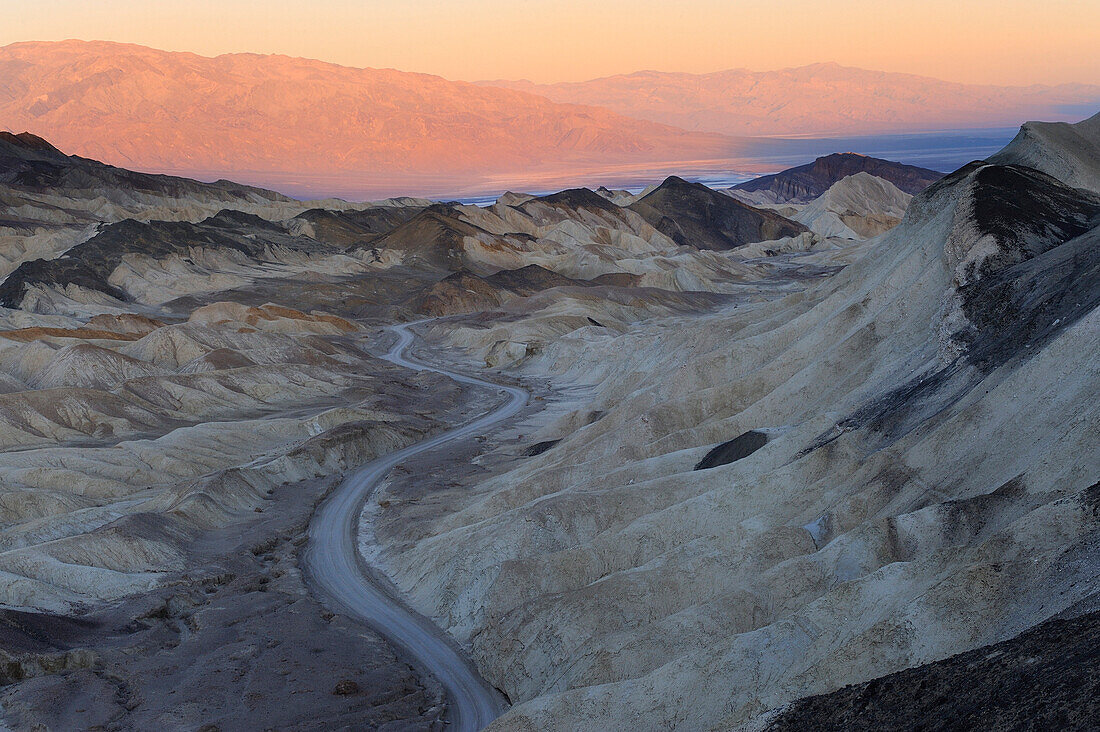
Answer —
251 116
820 99
314 128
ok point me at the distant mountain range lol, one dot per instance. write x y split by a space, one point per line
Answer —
820 99
147 109
308 126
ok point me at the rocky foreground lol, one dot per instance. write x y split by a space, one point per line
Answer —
776 449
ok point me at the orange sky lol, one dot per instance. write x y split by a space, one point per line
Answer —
978 41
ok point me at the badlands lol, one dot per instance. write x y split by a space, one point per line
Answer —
817 450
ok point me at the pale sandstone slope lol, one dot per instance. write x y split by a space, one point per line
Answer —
124 437
859 206
928 483
1070 153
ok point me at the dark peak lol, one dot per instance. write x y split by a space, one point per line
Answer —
234 188
461 275
442 209
680 186
858 162
314 215
443 215
844 156
575 198
675 181
530 279
436 225
675 185
803 183
128 227
532 269
29 142
694 215
229 217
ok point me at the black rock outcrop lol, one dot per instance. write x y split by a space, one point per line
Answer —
1045 678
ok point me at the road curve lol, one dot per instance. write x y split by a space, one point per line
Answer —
345 583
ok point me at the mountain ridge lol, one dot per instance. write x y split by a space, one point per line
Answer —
143 108
823 99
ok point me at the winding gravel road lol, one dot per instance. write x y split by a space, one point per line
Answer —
345 583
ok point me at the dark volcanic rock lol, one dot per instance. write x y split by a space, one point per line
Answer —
28 162
1025 254
693 215
539 448
463 292
739 447
1026 212
346 687
1045 678
346 229
466 292
576 198
90 264
458 292
617 279
576 204
433 237
29 142
531 279
806 182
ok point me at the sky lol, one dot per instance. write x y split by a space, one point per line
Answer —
1010 42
